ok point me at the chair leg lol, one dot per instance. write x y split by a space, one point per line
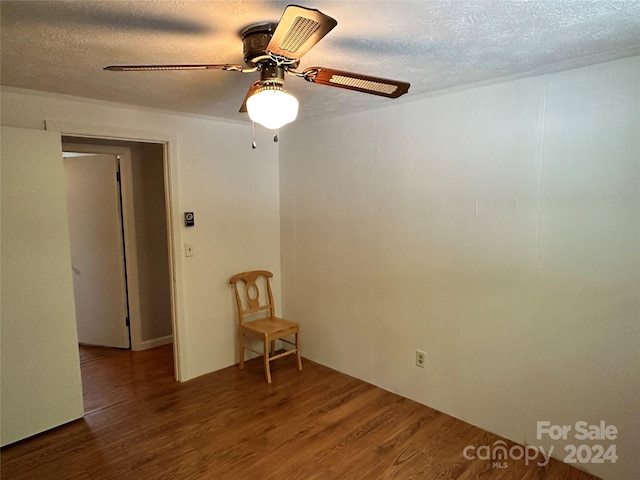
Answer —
273 347
298 351
267 369
241 349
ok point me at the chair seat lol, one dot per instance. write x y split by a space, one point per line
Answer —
271 326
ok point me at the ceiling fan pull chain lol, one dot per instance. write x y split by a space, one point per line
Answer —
253 143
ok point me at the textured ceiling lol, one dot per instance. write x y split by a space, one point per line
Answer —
62 46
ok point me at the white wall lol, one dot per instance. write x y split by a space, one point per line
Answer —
154 274
232 189
497 229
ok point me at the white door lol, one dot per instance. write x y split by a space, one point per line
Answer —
40 370
97 251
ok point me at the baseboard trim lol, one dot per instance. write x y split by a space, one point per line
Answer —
156 342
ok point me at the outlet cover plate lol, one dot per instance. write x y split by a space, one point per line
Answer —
420 358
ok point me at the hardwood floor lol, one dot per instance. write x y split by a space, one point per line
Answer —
315 424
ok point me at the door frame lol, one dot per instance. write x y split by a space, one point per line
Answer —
130 247
174 234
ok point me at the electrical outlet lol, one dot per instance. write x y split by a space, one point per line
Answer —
420 358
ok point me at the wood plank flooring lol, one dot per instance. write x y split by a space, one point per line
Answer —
317 424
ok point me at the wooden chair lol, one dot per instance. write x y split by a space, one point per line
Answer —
267 328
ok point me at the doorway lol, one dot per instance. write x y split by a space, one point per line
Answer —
144 233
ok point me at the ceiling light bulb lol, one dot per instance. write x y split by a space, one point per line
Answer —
272 107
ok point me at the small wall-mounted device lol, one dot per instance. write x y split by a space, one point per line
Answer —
189 219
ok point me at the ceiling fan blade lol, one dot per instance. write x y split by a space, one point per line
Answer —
299 29
355 81
150 68
254 86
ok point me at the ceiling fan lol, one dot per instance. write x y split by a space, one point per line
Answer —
274 50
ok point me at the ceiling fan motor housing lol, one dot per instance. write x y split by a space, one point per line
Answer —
254 42
271 74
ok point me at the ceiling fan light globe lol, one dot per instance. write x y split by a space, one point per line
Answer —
272 108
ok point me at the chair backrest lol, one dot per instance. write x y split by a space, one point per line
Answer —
246 286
